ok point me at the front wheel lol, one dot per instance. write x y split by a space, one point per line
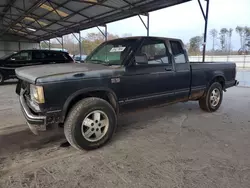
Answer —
213 98
90 124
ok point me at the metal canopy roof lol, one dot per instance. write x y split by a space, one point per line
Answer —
44 19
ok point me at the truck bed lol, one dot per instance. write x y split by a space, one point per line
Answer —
203 73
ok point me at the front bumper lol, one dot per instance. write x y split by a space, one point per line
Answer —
35 122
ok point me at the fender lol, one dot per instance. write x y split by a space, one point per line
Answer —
85 91
216 74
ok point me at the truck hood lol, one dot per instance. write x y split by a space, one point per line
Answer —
57 72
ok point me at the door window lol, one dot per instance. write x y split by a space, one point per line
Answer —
22 56
156 52
37 55
178 52
50 55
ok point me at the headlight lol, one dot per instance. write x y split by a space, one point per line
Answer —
36 94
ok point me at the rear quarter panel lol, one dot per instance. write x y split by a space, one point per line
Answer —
204 73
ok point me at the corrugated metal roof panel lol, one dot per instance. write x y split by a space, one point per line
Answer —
76 18
115 3
74 15
96 10
54 27
75 6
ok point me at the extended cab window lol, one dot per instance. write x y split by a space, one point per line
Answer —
156 52
21 56
178 52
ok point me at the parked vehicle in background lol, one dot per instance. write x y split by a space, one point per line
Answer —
9 63
120 72
78 60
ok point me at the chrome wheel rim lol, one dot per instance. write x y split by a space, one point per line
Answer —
95 126
215 97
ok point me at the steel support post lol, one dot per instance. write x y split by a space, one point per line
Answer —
62 44
49 44
80 45
205 28
106 33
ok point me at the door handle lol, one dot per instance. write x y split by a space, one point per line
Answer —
168 69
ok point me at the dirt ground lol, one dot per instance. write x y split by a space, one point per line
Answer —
176 146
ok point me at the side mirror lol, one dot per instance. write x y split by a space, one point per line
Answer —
141 59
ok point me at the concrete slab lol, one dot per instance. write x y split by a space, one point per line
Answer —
169 146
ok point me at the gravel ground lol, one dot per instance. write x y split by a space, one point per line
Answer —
176 146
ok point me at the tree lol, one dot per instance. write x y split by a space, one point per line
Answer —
92 40
214 35
230 32
239 30
244 33
223 33
194 45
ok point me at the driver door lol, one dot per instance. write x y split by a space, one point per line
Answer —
153 79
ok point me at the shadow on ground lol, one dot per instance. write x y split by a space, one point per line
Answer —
24 139
18 138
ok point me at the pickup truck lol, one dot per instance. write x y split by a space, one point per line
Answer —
86 98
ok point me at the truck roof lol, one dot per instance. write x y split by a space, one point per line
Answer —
150 37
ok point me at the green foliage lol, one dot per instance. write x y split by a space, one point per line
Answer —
223 41
194 45
92 40
214 35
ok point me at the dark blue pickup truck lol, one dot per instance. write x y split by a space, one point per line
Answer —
86 98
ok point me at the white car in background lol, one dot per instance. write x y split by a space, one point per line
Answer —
78 60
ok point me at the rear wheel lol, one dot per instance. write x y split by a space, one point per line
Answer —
213 98
90 124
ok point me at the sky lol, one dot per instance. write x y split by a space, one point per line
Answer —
185 21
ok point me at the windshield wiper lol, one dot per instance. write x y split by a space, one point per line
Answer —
103 62
97 60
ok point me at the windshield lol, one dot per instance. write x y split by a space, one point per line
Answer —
6 55
112 52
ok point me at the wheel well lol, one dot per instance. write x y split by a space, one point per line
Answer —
108 96
219 79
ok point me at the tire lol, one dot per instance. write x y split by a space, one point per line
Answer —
82 124
1 78
211 105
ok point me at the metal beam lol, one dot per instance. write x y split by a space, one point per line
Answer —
145 25
31 9
105 33
71 15
58 40
202 11
75 37
62 42
9 5
80 45
205 33
86 24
